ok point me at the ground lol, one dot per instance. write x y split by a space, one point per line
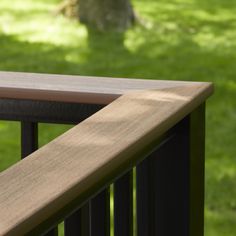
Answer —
179 40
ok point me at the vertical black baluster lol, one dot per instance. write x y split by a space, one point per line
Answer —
170 183
100 214
78 223
73 224
85 219
123 205
29 144
52 232
92 219
29 138
144 198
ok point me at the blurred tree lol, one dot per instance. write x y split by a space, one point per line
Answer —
106 14
69 8
103 15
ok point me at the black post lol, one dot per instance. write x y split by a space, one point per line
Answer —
170 183
197 171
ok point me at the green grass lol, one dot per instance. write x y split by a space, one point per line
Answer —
182 40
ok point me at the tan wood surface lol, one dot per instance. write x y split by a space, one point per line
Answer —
68 88
38 186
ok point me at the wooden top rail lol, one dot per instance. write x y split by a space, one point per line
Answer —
86 156
68 88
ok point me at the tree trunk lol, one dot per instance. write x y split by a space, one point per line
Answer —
69 8
106 15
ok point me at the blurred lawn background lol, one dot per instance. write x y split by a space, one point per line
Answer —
181 40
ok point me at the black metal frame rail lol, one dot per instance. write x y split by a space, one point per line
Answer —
169 177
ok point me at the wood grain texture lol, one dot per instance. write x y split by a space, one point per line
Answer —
37 187
68 88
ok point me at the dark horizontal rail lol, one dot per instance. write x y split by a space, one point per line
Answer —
46 111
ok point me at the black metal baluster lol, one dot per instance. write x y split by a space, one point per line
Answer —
29 144
123 205
170 183
85 219
92 219
73 224
78 223
29 138
52 232
144 198
100 214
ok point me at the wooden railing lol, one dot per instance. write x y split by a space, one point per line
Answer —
151 130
